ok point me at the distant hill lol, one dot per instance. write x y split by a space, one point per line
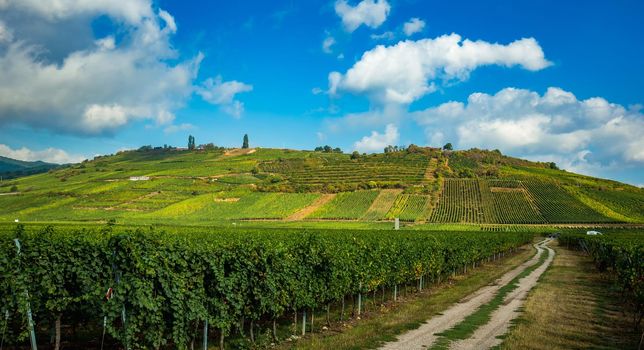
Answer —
12 168
417 185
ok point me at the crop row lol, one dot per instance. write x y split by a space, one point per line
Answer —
162 287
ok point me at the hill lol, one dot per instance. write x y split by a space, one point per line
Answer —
416 185
12 168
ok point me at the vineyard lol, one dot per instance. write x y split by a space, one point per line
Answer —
163 289
511 202
460 202
184 187
620 253
551 198
331 172
346 205
410 207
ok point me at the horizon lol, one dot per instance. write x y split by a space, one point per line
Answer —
359 75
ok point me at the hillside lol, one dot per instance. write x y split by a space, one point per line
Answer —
415 185
12 168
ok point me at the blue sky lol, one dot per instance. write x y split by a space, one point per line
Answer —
548 80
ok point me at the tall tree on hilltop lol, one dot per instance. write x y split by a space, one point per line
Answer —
245 144
191 142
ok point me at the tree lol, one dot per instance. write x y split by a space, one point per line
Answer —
355 155
191 142
448 146
245 144
337 150
553 165
319 149
327 149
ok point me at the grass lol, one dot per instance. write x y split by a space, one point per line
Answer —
381 205
572 307
394 319
346 205
483 314
100 189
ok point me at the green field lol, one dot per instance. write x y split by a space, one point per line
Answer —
219 186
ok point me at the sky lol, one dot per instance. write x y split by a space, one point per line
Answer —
554 81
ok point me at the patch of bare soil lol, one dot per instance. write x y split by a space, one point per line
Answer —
239 152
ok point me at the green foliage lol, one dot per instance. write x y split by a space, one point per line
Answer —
346 205
448 146
168 284
409 207
191 142
558 205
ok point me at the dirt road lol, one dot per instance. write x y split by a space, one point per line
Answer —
424 336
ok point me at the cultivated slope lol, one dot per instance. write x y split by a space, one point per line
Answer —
415 185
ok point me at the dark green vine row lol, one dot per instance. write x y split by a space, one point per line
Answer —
165 285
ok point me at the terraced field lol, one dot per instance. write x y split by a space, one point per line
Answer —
381 205
274 184
346 206
511 202
410 207
322 170
250 206
557 205
460 202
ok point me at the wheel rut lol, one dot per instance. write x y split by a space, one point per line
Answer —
427 334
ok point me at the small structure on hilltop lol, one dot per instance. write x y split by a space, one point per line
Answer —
139 178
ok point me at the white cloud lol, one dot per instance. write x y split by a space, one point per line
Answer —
97 89
589 136
222 93
130 11
5 33
371 13
317 91
133 74
413 26
176 128
49 155
376 142
384 36
405 72
327 43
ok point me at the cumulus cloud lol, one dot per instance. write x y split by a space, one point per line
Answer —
49 155
327 43
388 35
130 11
371 13
376 142
587 136
413 26
405 72
132 75
5 34
222 93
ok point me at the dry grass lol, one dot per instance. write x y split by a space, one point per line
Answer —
572 307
